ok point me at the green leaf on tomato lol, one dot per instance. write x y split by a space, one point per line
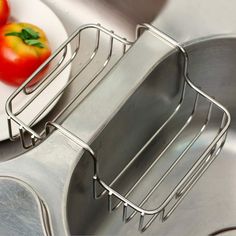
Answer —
28 36
34 42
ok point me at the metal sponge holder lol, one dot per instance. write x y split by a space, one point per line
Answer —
192 175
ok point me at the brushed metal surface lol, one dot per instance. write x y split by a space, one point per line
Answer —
48 167
21 209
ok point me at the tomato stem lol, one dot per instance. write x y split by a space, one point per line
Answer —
28 36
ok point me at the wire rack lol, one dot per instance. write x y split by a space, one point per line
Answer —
174 197
58 63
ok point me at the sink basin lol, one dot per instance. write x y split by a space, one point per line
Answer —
212 68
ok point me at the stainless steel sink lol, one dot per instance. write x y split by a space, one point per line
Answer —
123 110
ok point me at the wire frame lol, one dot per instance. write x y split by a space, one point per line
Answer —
191 176
60 64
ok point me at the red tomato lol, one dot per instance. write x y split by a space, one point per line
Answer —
23 48
4 11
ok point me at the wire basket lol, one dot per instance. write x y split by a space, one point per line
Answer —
89 70
191 176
